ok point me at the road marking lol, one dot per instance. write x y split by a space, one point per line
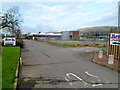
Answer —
94 85
91 75
68 75
68 81
72 74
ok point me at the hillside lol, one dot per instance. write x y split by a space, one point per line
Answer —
99 29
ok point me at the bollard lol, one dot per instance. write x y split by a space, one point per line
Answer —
111 59
20 61
100 54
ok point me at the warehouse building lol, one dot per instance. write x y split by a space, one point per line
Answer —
70 35
44 36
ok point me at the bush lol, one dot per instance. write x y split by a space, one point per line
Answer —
86 45
96 44
19 42
2 43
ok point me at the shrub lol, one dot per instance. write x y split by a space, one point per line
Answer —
96 44
86 45
104 45
2 43
19 42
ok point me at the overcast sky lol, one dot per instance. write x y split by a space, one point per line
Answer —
61 16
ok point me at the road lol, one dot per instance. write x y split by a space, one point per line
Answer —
47 66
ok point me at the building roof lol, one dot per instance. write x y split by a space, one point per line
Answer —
45 34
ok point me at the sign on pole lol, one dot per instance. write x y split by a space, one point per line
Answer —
8 41
115 39
114 45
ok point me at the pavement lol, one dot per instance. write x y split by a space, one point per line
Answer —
104 62
48 66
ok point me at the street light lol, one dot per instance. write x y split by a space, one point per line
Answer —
119 16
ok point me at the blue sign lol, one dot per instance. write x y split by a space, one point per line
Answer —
115 36
8 41
115 39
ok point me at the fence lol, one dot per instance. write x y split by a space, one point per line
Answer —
113 49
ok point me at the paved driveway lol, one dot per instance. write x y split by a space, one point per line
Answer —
47 66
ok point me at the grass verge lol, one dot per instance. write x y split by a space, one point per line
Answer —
9 64
73 44
41 40
76 45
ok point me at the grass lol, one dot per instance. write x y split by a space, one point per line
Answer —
98 45
76 45
62 44
41 40
9 65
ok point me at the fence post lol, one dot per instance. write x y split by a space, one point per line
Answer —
111 59
101 54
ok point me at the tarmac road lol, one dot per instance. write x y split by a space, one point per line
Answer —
47 66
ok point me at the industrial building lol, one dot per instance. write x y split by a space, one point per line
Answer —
70 35
44 36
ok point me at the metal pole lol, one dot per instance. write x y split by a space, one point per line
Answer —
118 16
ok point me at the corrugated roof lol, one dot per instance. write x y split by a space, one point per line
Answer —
46 34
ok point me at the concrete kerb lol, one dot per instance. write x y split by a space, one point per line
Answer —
17 71
113 68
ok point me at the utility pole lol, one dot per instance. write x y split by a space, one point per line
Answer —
119 16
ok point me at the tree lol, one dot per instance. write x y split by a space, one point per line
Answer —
115 29
111 30
12 19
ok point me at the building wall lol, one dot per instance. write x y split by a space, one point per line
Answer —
44 37
75 35
100 37
65 35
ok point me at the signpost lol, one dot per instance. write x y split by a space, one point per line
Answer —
115 39
8 41
114 45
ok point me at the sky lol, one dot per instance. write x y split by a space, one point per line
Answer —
56 16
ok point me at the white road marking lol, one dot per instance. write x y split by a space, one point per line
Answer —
68 81
94 85
68 75
91 75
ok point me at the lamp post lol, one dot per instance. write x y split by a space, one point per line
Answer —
119 16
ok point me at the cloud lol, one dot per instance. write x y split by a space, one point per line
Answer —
27 28
55 16
61 16
60 0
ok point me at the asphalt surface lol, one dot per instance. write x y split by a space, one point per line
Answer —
47 66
